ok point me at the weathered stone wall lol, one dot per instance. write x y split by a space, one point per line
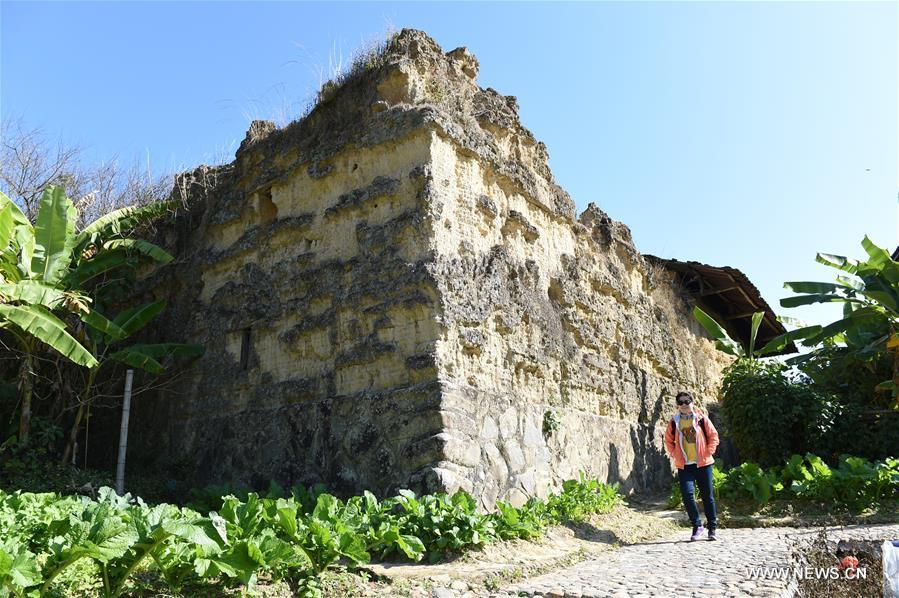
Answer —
546 317
394 292
325 277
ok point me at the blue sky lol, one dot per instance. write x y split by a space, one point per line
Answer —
742 134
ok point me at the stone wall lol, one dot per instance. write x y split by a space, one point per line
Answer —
394 292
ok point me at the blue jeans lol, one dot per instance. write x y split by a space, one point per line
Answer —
703 477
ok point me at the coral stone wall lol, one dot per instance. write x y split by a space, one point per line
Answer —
313 300
394 292
549 318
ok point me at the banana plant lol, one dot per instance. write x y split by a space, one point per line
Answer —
104 335
48 271
869 292
723 342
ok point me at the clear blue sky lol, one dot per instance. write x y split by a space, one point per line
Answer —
742 134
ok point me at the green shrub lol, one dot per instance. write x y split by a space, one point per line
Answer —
770 414
581 498
855 483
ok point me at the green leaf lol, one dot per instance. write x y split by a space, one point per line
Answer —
193 532
136 359
287 517
32 292
104 261
860 317
47 328
817 298
26 243
242 561
723 341
837 261
411 546
132 320
813 287
850 282
54 236
110 538
881 261
160 350
278 554
7 226
176 349
122 220
754 330
18 566
96 320
140 246
325 507
352 546
779 343
18 218
882 292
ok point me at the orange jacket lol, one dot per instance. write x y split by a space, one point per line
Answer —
705 447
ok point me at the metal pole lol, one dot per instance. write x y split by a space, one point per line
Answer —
123 435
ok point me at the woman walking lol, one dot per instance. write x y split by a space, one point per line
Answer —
691 440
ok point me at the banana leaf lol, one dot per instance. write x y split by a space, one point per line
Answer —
860 317
53 236
781 342
722 341
47 328
881 261
121 220
754 330
815 298
96 320
141 246
7 226
18 217
104 261
818 287
133 319
146 357
32 292
25 241
840 262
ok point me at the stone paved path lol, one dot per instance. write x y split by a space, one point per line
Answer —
674 566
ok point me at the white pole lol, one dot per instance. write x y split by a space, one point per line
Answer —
123 435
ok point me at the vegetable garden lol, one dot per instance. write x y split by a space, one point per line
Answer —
70 545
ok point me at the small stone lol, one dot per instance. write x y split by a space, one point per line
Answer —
489 431
516 497
442 593
459 585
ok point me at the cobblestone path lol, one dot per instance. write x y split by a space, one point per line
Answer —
674 566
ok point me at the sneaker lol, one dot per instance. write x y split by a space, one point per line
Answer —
697 533
712 535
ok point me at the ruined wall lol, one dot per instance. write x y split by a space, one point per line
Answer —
321 282
393 292
545 317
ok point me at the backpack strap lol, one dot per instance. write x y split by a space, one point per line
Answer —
705 431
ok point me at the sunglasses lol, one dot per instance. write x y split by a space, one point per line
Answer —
684 401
